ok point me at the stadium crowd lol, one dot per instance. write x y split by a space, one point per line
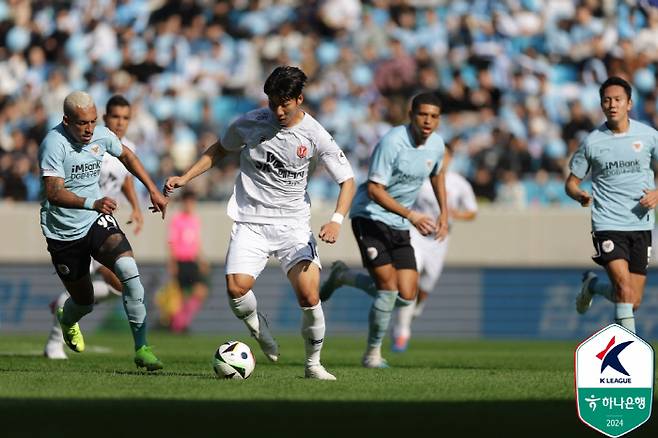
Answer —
518 78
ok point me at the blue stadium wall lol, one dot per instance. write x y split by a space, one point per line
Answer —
532 303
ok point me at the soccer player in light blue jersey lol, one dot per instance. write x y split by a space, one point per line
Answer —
619 156
77 220
382 215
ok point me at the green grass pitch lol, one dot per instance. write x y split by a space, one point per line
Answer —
438 388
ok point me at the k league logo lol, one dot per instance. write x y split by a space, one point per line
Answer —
614 376
610 357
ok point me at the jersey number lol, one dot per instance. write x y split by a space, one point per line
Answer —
107 221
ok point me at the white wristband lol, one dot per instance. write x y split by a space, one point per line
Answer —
338 218
89 203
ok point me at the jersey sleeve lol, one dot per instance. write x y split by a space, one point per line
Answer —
113 145
233 139
439 159
654 143
333 158
51 159
383 161
579 164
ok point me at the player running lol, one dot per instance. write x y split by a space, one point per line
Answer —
77 220
114 180
271 208
619 154
382 214
431 253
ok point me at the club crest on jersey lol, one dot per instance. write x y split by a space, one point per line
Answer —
429 164
637 146
302 151
95 149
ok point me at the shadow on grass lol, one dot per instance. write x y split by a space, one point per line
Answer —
164 418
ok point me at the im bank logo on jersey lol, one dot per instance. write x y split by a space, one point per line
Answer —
614 376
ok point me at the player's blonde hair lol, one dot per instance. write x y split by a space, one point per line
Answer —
77 99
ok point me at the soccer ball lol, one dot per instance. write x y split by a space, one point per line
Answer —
233 360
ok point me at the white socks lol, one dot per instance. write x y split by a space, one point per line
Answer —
313 329
245 309
402 327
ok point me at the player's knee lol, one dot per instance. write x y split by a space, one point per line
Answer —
237 287
126 268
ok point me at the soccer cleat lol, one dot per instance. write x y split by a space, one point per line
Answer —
584 298
374 362
332 283
400 344
265 340
55 350
318 372
144 358
72 335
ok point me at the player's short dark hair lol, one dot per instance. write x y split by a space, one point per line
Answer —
427 98
285 82
616 80
116 100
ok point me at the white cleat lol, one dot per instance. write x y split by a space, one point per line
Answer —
318 372
374 362
55 350
584 298
265 340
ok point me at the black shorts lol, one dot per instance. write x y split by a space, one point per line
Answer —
632 246
71 258
381 245
188 274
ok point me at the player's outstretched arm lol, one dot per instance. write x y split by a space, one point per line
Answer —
134 166
572 187
329 232
58 195
210 157
128 189
423 223
439 187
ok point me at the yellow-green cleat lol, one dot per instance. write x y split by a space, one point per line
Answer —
144 358
72 334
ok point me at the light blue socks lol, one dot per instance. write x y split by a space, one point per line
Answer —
133 298
624 316
380 316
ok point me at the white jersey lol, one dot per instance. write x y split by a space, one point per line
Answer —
459 195
114 173
274 165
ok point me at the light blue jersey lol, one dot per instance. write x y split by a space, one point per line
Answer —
402 167
621 170
80 166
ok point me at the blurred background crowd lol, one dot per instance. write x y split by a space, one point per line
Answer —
518 78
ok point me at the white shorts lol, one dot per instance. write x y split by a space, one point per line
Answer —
252 244
430 255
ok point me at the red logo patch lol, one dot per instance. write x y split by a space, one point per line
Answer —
302 151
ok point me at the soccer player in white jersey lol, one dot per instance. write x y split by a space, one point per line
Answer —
114 180
430 252
619 154
271 208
